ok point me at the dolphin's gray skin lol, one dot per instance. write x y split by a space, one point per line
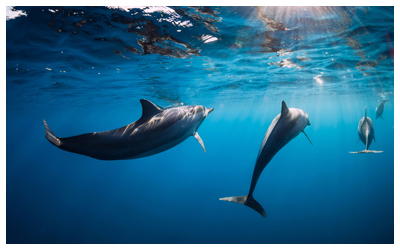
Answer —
286 126
156 131
366 134
379 109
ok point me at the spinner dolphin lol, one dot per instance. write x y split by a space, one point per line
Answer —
366 133
379 109
157 130
285 127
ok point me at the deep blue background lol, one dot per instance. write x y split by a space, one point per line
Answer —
311 194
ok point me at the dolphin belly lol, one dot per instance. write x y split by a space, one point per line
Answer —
112 146
96 145
275 142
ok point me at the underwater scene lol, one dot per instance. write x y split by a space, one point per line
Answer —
200 125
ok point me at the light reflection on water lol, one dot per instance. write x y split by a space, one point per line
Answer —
182 53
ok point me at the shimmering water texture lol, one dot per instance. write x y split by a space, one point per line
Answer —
301 129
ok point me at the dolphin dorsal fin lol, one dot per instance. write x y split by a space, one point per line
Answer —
365 112
149 109
285 109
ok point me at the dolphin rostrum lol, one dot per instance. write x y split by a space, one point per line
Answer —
285 127
366 134
379 109
157 130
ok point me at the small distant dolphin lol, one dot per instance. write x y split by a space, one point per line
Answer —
156 131
285 127
366 134
172 106
379 109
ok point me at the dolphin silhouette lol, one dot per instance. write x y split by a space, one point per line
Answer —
157 130
366 134
285 127
172 105
379 109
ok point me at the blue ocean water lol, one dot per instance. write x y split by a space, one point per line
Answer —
84 69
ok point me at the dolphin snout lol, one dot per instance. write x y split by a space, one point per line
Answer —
210 110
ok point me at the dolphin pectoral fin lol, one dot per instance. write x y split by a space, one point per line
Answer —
381 117
366 152
248 201
50 135
197 136
374 139
307 137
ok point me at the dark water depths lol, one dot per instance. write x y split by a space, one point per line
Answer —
84 69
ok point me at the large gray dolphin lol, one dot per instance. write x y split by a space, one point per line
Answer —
366 134
379 109
285 127
156 131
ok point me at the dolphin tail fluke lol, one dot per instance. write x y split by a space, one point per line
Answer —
50 135
366 152
248 201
